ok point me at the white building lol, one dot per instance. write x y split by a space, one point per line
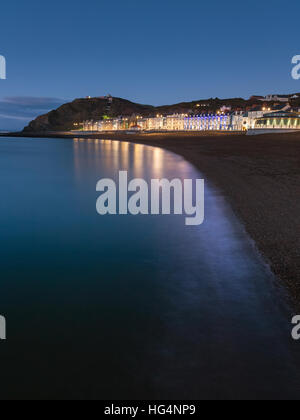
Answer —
277 98
155 123
239 122
279 121
175 122
259 112
210 122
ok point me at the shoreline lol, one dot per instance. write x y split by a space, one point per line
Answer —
258 175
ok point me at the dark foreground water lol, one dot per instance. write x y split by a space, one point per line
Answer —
130 307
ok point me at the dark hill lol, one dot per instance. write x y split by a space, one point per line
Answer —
80 110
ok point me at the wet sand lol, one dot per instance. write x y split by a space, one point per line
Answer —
259 176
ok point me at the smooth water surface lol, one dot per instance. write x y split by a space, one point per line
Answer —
124 307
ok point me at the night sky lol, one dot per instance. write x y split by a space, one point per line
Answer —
156 52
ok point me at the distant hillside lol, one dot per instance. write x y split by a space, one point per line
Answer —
204 105
80 110
65 117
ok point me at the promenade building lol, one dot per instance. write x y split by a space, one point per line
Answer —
235 121
279 120
256 113
210 122
163 123
238 121
155 124
176 122
91 126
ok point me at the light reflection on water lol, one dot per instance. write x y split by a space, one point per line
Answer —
130 307
121 156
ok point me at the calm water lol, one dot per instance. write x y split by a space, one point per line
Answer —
130 307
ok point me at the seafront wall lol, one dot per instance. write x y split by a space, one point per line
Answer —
259 131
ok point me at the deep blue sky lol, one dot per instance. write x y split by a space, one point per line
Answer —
155 52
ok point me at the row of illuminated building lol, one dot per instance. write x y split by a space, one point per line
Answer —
177 122
237 121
